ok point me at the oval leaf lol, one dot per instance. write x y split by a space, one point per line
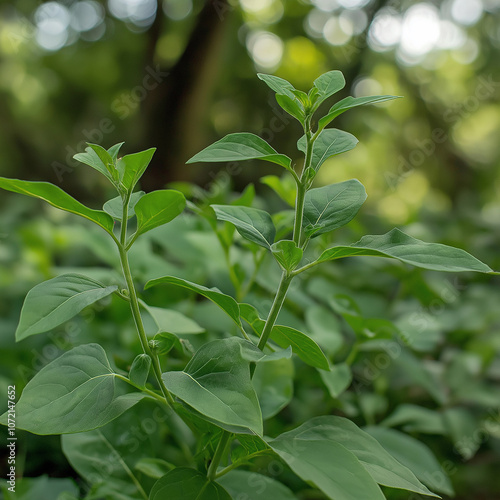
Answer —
253 224
241 146
225 302
328 84
59 199
139 370
329 143
57 300
330 207
74 393
216 383
398 245
187 484
157 208
291 106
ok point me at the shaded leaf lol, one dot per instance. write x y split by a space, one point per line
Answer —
291 106
254 486
139 370
253 224
114 207
59 199
187 484
57 300
284 187
337 380
414 455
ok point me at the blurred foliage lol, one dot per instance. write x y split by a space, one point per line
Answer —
76 71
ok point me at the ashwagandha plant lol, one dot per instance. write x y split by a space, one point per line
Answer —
215 395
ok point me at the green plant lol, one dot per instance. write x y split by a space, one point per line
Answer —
214 397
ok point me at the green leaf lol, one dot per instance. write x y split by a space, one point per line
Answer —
279 85
382 467
337 380
241 146
74 393
113 150
187 484
330 207
302 345
291 106
57 300
285 187
131 167
170 320
114 207
351 102
157 208
106 457
328 465
253 224
139 370
415 418
216 383
97 159
287 253
328 84
225 302
398 245
241 483
28 488
414 455
273 383
153 467
166 341
330 142
59 199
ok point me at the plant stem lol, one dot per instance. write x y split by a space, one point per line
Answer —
219 452
299 213
279 298
134 306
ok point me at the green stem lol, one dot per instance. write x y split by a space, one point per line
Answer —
279 298
299 213
142 389
219 452
134 306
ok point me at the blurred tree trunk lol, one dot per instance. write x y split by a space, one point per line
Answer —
173 111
